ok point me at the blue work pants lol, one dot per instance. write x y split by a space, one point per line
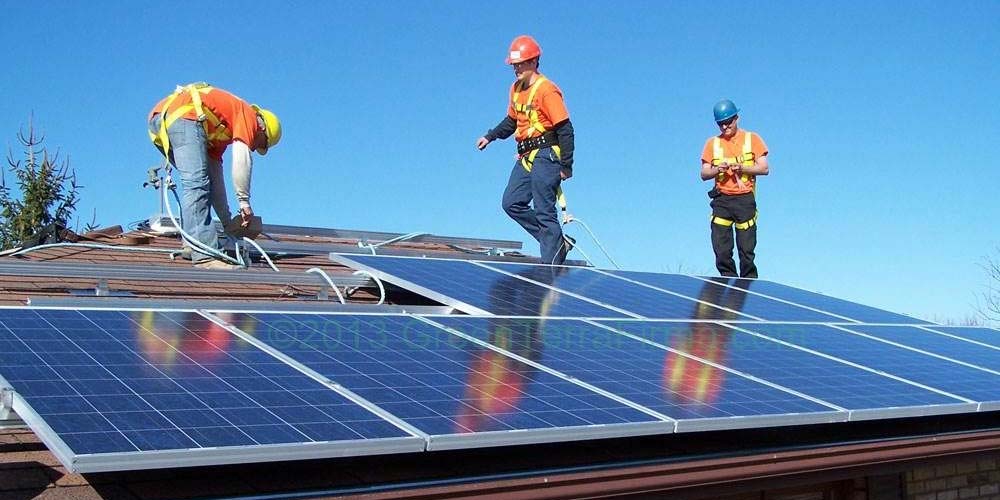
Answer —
202 183
539 188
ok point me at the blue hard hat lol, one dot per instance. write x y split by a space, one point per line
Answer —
724 110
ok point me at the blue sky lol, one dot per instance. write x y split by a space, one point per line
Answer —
879 118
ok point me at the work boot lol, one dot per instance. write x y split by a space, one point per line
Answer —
216 265
564 249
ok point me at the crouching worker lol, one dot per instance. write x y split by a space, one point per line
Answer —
193 127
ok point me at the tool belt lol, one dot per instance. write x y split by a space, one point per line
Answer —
547 139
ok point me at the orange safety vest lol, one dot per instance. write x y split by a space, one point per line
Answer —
215 130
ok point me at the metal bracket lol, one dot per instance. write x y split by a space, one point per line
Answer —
324 292
6 404
102 290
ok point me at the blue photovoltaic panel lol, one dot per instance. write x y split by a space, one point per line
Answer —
678 387
839 383
987 336
485 289
734 298
436 381
618 293
852 310
970 383
936 343
115 381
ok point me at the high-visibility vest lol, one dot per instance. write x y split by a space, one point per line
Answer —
215 130
746 158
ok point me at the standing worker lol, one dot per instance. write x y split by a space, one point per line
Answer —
193 127
538 118
734 158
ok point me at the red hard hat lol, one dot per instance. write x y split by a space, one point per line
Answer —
522 49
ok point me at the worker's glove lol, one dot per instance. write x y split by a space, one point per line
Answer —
565 173
246 215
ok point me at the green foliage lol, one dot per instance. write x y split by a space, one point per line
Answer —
46 193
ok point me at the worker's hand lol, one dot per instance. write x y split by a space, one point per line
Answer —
721 168
565 173
482 143
736 169
246 214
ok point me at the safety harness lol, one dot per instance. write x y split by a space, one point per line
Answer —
746 158
215 130
528 148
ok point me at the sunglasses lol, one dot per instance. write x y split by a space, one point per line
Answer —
727 122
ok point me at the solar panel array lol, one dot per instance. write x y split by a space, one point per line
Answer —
548 354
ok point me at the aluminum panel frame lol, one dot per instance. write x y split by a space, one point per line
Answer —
440 442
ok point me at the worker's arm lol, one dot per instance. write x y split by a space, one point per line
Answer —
503 130
242 168
564 132
709 171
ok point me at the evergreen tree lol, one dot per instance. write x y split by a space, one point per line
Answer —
46 192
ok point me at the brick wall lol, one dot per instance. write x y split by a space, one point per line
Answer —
960 480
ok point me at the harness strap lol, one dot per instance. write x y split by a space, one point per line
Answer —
204 115
746 158
742 226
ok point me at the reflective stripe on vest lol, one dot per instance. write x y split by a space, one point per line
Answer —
742 226
746 158
205 116
531 113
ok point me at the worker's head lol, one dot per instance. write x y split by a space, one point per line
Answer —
726 117
269 130
523 56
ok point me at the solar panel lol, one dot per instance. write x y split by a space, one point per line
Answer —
700 396
641 300
475 289
483 288
839 307
918 338
986 336
735 298
458 392
956 379
867 394
116 390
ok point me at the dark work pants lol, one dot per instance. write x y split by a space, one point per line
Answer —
737 208
538 188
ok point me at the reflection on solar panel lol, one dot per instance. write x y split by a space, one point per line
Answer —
734 298
110 390
843 308
935 343
458 392
867 393
986 336
702 397
607 289
475 289
965 382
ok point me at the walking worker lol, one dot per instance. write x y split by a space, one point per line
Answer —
734 158
193 127
539 121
